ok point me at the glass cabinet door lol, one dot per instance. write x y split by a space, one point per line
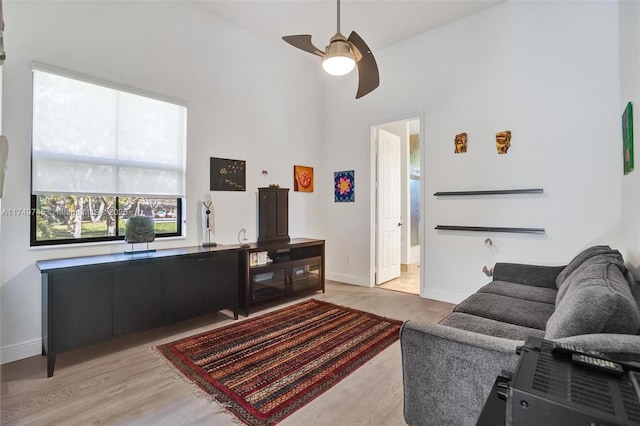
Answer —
268 282
306 275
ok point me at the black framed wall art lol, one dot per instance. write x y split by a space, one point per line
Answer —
227 175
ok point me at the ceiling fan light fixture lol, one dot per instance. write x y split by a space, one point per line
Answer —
338 65
338 60
342 55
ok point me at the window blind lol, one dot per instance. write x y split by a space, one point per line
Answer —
92 139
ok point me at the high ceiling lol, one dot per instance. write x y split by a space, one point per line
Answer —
380 23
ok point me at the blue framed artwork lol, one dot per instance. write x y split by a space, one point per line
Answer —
344 186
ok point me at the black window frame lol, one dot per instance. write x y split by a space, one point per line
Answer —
36 243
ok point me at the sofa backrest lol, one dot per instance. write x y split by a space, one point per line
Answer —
595 297
580 259
598 255
634 285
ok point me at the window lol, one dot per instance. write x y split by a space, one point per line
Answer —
101 154
61 219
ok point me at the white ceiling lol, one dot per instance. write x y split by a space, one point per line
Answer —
380 23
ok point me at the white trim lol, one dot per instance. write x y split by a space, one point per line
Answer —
63 72
374 193
373 208
443 296
11 353
107 243
347 279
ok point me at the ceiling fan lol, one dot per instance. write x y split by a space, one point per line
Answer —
342 55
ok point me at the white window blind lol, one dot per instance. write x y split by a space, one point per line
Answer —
93 139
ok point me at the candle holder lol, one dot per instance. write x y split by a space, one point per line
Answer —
243 241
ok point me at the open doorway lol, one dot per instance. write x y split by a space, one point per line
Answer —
396 153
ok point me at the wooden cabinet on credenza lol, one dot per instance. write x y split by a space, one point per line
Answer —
273 215
297 268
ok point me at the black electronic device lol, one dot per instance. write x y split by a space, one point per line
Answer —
551 388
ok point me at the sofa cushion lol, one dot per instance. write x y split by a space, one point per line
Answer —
521 291
507 309
532 275
591 268
634 286
490 327
579 259
597 300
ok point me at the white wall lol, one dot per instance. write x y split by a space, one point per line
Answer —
547 71
248 99
1 260
630 92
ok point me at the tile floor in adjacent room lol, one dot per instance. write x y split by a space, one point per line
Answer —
409 282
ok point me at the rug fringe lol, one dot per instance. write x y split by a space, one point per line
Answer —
195 390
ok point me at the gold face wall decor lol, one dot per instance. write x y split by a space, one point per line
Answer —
503 141
460 143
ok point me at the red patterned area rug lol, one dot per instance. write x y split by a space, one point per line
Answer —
264 368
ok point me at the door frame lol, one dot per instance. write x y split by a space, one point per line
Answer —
374 195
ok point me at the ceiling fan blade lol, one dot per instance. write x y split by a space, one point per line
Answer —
368 75
303 42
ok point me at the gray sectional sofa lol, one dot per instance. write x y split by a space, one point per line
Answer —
449 368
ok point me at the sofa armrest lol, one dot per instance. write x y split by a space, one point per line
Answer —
448 372
621 347
534 275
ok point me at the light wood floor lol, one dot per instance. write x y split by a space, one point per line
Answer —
125 382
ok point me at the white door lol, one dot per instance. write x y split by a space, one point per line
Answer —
388 207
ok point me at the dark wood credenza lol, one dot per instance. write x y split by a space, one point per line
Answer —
296 268
86 300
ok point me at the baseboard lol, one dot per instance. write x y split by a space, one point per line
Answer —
444 296
347 279
20 351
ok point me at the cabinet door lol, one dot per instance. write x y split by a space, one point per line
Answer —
80 304
268 219
138 297
184 287
221 281
306 275
282 214
199 284
267 282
